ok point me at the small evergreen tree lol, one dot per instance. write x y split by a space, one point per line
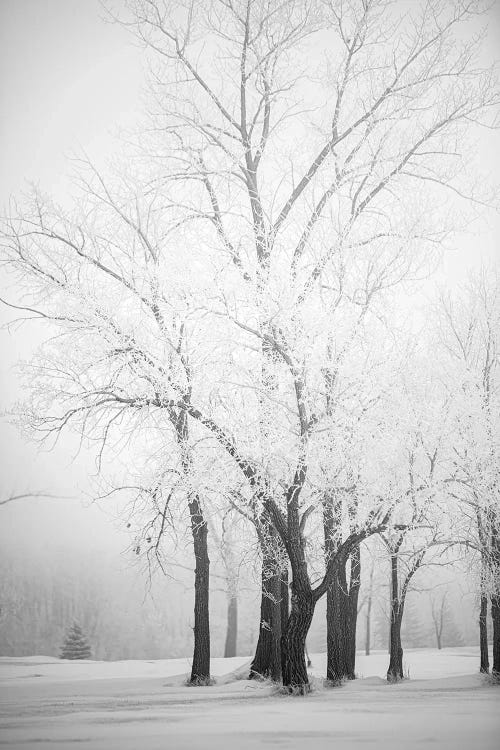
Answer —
75 644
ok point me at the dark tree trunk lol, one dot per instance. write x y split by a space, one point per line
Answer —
337 600
341 621
200 672
352 621
395 671
337 642
495 597
295 676
495 617
267 660
285 613
484 665
232 627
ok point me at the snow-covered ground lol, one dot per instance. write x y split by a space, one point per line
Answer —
143 705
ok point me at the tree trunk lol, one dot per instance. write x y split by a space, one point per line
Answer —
337 601
495 617
395 671
232 627
337 645
294 661
267 660
285 613
352 621
495 596
200 672
341 622
484 665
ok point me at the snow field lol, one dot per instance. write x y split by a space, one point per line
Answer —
47 703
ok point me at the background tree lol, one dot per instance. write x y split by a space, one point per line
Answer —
75 644
443 621
469 331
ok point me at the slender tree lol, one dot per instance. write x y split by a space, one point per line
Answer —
469 326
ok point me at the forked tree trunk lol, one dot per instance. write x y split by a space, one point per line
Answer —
295 676
341 622
232 627
337 641
267 660
200 671
495 617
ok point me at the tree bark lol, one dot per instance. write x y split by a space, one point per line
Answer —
395 671
232 627
341 621
284 614
495 595
200 671
495 617
267 660
295 676
337 600
352 621
337 640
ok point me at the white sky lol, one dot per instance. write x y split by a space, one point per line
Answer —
67 79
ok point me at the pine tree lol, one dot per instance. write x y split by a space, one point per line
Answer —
75 644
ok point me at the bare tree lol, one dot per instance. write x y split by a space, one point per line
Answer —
118 344
469 327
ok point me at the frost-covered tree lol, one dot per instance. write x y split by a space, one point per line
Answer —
101 277
218 296
421 419
470 339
